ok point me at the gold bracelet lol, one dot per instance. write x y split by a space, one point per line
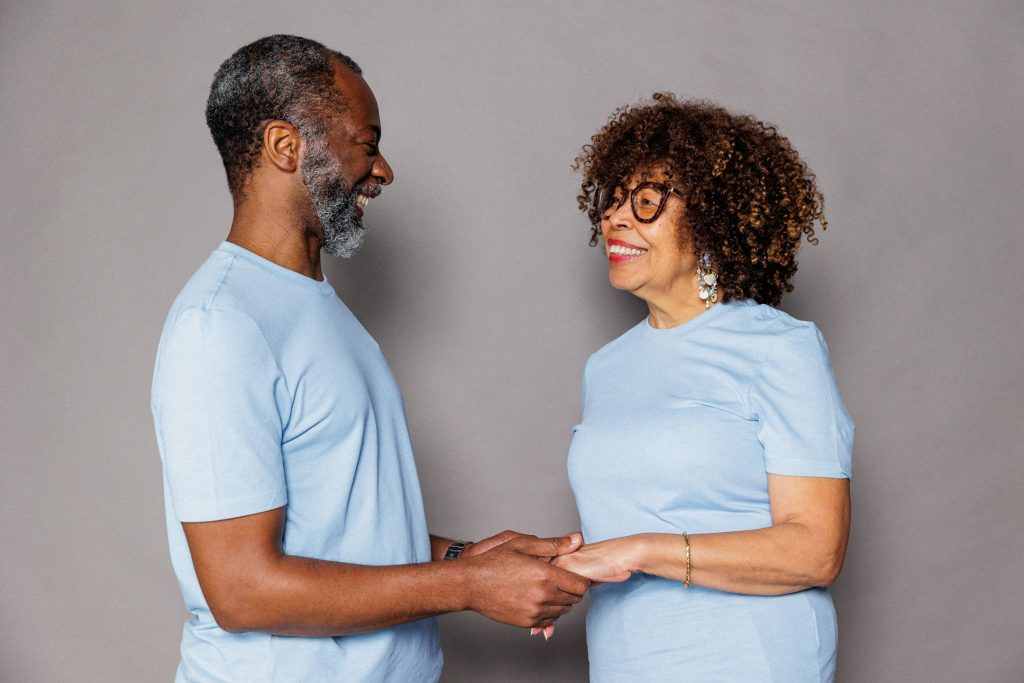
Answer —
686 541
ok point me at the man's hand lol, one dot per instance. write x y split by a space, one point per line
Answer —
494 541
514 582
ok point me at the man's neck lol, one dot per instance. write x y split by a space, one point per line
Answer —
277 235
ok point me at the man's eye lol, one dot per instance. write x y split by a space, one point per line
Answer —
371 149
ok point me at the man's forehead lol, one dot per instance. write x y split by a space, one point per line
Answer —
353 86
360 111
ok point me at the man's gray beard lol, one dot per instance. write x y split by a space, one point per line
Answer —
335 205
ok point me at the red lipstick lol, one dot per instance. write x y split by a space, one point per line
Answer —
620 258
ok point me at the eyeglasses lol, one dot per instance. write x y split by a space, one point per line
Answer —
647 200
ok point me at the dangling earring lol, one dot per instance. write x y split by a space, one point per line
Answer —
707 280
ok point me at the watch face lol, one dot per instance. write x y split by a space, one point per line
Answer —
454 550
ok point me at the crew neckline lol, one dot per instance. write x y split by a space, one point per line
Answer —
321 286
689 326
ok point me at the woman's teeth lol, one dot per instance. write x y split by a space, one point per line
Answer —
625 251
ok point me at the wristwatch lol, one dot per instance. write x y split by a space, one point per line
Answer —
455 549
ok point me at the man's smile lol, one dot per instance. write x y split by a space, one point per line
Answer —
364 194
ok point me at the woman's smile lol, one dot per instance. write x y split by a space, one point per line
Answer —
620 251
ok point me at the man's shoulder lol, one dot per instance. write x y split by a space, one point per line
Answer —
221 287
209 287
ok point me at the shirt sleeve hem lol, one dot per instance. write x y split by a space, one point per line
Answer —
804 468
229 509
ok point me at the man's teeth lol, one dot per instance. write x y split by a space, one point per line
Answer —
361 200
625 251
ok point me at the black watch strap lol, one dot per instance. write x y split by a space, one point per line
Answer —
455 550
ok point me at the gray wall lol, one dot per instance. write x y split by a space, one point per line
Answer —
478 283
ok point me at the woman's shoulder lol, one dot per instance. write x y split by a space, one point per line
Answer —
783 343
619 345
755 318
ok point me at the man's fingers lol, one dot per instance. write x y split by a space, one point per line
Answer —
549 547
551 612
564 599
569 582
493 541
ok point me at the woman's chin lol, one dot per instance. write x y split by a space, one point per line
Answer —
621 282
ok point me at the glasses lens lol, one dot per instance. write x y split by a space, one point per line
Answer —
606 199
647 202
602 196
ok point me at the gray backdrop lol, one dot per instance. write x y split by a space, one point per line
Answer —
479 285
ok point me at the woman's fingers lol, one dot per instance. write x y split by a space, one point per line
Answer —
548 631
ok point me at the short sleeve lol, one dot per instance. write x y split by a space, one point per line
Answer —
583 396
216 393
802 422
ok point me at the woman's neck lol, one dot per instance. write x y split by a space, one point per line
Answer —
674 308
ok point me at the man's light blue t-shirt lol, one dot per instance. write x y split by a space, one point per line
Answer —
680 430
268 392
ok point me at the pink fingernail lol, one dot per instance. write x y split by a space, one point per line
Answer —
534 631
549 631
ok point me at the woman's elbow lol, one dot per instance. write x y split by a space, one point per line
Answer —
828 569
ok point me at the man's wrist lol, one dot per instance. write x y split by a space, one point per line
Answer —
438 547
455 549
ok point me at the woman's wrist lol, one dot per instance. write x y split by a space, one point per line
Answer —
637 552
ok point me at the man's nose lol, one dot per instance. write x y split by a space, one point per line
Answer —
382 170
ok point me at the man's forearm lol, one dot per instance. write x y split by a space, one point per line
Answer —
251 585
306 597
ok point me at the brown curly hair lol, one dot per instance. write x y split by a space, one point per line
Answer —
749 196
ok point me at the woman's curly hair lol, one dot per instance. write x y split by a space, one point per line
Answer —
749 196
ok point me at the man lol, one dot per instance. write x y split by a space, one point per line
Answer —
292 502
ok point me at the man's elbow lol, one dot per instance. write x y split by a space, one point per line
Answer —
228 622
238 609
231 617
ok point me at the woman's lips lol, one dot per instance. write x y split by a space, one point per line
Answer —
619 251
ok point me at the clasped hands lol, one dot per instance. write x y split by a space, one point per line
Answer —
530 582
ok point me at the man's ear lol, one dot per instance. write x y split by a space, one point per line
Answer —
282 145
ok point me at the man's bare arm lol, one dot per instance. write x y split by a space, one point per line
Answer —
251 585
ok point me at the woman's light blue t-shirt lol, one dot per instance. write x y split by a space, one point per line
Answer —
680 429
267 393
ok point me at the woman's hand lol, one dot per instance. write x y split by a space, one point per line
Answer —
609 561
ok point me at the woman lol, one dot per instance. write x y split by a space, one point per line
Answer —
711 464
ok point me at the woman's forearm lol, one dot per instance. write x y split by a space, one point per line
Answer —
782 558
804 547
